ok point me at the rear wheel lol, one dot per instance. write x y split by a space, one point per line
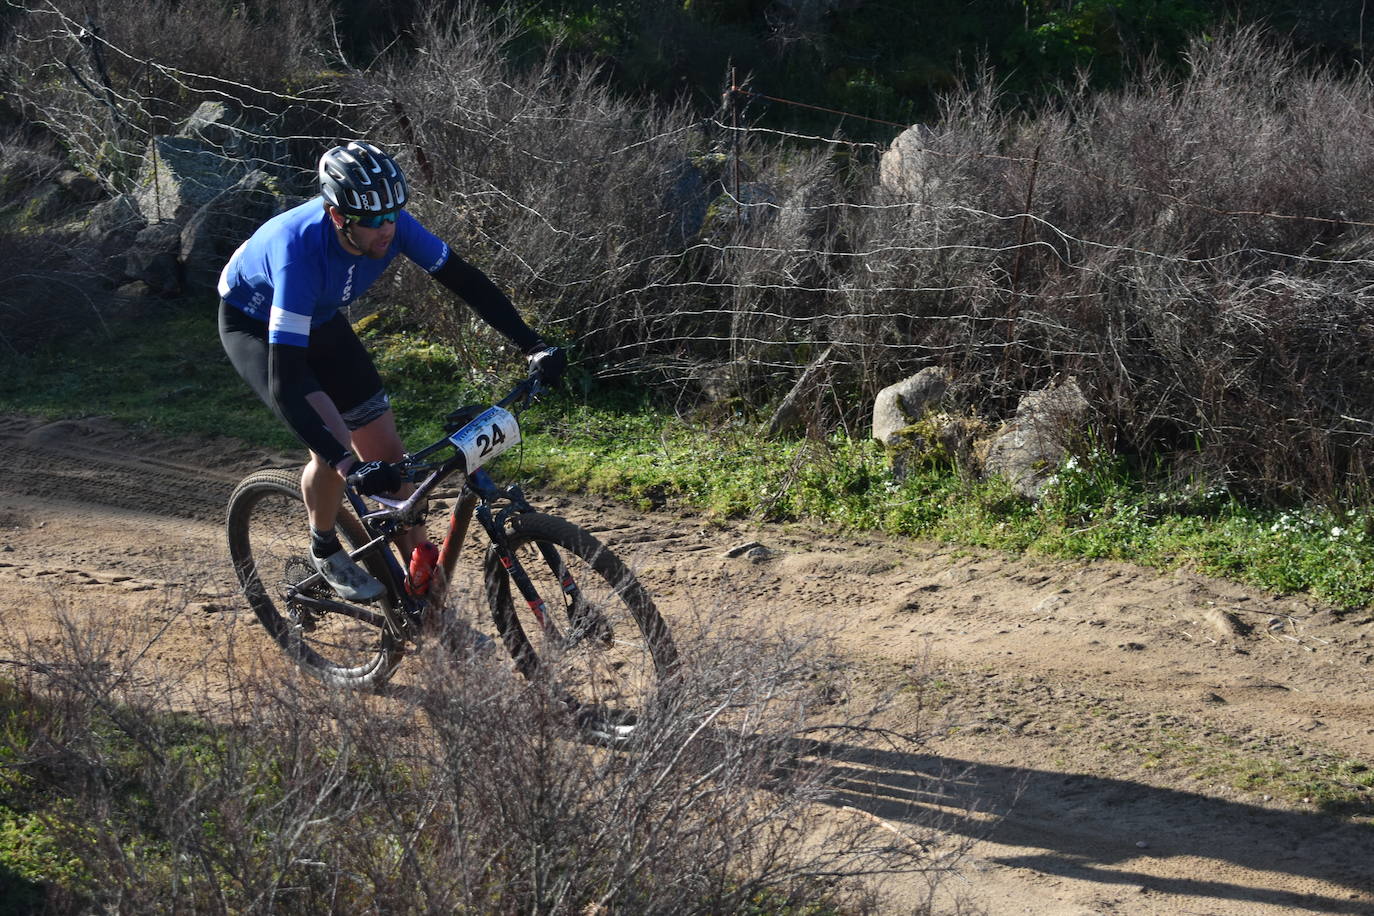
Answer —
601 642
269 543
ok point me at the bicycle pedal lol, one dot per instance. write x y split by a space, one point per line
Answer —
305 621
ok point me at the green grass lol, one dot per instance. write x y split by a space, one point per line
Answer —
1327 782
167 372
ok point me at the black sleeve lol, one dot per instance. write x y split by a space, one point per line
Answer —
492 305
289 379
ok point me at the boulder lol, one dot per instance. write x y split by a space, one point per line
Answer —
80 188
723 382
809 216
905 167
898 406
180 175
756 204
110 217
215 124
222 126
45 204
111 227
685 204
152 258
936 439
218 228
1029 449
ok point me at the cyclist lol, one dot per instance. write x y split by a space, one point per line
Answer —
280 322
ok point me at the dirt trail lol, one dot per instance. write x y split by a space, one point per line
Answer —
1094 717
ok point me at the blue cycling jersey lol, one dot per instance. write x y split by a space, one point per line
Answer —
293 273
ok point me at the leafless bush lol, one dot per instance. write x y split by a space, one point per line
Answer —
48 274
467 791
1192 250
547 177
106 84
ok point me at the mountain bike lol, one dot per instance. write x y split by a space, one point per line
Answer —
582 621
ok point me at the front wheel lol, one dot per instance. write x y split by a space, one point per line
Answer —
588 626
269 543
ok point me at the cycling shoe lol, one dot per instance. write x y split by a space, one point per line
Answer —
348 579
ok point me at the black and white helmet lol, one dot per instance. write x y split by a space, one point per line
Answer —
361 180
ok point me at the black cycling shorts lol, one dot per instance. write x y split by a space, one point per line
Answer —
340 363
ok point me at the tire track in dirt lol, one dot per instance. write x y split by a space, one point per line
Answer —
96 461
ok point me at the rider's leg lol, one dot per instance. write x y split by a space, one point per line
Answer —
379 441
322 491
321 486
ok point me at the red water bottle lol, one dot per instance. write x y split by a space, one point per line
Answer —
422 560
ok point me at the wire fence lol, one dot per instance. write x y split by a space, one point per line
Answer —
1196 255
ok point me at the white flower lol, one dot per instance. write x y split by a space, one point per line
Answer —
1337 532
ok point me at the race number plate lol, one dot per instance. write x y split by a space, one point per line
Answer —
486 437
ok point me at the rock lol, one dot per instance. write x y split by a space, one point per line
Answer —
219 125
940 437
898 406
180 175
218 228
117 215
740 550
724 381
153 258
808 218
80 188
755 205
1030 448
46 204
904 167
111 227
752 551
685 203
135 290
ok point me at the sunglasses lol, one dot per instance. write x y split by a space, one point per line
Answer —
375 221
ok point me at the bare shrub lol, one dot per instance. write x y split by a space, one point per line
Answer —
466 791
106 84
547 178
1190 249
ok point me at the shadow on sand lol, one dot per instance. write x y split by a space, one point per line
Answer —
1078 826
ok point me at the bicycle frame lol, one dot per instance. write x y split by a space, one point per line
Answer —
480 496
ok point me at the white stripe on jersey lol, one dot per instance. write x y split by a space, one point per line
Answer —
287 323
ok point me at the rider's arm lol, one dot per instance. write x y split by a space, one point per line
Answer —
470 284
487 300
309 412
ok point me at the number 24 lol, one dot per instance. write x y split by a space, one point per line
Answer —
487 443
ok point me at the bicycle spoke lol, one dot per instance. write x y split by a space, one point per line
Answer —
270 539
605 647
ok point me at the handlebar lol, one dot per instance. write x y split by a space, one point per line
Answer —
413 467
525 393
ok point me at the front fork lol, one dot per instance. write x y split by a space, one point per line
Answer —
495 525
500 545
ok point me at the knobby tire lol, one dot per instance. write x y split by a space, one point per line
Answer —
609 654
269 543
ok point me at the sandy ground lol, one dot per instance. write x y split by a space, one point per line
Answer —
1087 722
